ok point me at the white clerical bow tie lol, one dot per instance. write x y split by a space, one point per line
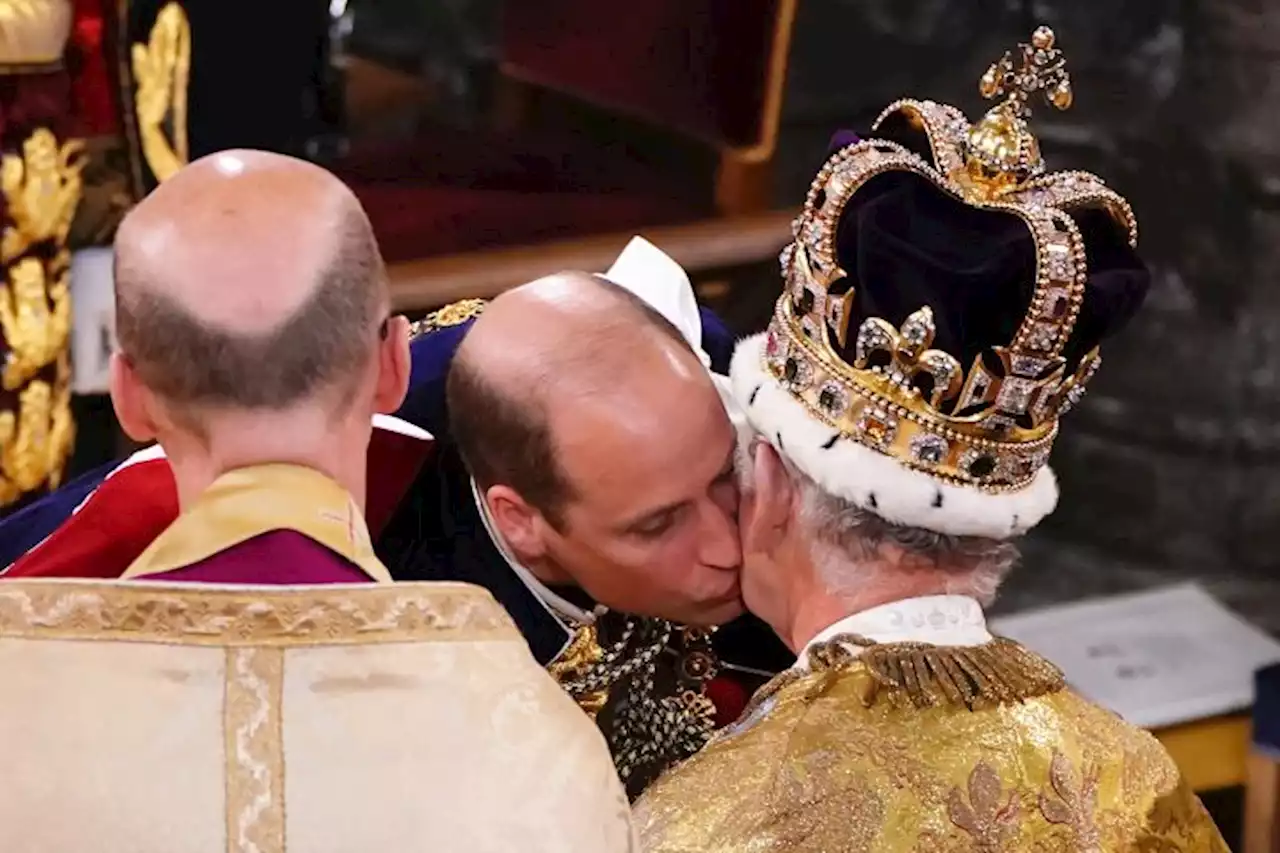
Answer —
655 277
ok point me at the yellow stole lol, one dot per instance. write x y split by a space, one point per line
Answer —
248 502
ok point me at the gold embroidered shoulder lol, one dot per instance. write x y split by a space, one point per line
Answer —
909 747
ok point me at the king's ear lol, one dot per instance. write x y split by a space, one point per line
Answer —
768 507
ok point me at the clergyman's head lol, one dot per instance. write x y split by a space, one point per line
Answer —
601 447
252 310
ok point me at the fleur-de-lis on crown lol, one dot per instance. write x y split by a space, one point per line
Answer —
906 355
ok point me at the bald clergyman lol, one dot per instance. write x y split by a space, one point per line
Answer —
257 369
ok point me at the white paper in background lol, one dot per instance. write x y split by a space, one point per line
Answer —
93 316
1158 658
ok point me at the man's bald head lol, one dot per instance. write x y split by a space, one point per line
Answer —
542 348
247 280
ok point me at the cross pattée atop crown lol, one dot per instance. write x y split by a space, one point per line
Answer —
990 427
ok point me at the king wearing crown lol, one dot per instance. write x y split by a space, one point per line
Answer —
944 301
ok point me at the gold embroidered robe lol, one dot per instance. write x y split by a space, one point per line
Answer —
155 717
882 753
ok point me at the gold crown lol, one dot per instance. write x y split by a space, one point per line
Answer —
992 427
33 32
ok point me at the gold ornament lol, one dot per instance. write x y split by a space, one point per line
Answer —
1002 153
41 190
41 187
24 442
37 333
583 653
161 68
453 314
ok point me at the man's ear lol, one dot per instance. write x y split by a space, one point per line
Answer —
767 515
394 367
522 526
131 400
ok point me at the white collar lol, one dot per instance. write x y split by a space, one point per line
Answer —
941 620
555 604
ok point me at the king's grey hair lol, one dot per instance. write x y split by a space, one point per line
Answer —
852 547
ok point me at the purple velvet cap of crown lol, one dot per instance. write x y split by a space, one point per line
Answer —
842 139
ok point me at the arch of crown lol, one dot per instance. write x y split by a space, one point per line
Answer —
990 427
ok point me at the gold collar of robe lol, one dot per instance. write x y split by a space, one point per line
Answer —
248 502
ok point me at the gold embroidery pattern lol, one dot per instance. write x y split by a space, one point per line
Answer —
1073 803
822 768
161 68
157 613
41 188
254 750
453 314
1177 822
988 814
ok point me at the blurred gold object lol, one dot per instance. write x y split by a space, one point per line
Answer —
575 663
160 70
24 442
41 187
33 32
35 323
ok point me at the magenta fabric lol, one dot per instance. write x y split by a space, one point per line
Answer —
278 558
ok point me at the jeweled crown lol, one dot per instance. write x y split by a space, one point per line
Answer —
991 426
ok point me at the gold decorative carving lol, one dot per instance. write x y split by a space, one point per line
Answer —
41 186
161 68
41 189
35 322
24 442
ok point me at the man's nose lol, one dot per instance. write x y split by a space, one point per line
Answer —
720 546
